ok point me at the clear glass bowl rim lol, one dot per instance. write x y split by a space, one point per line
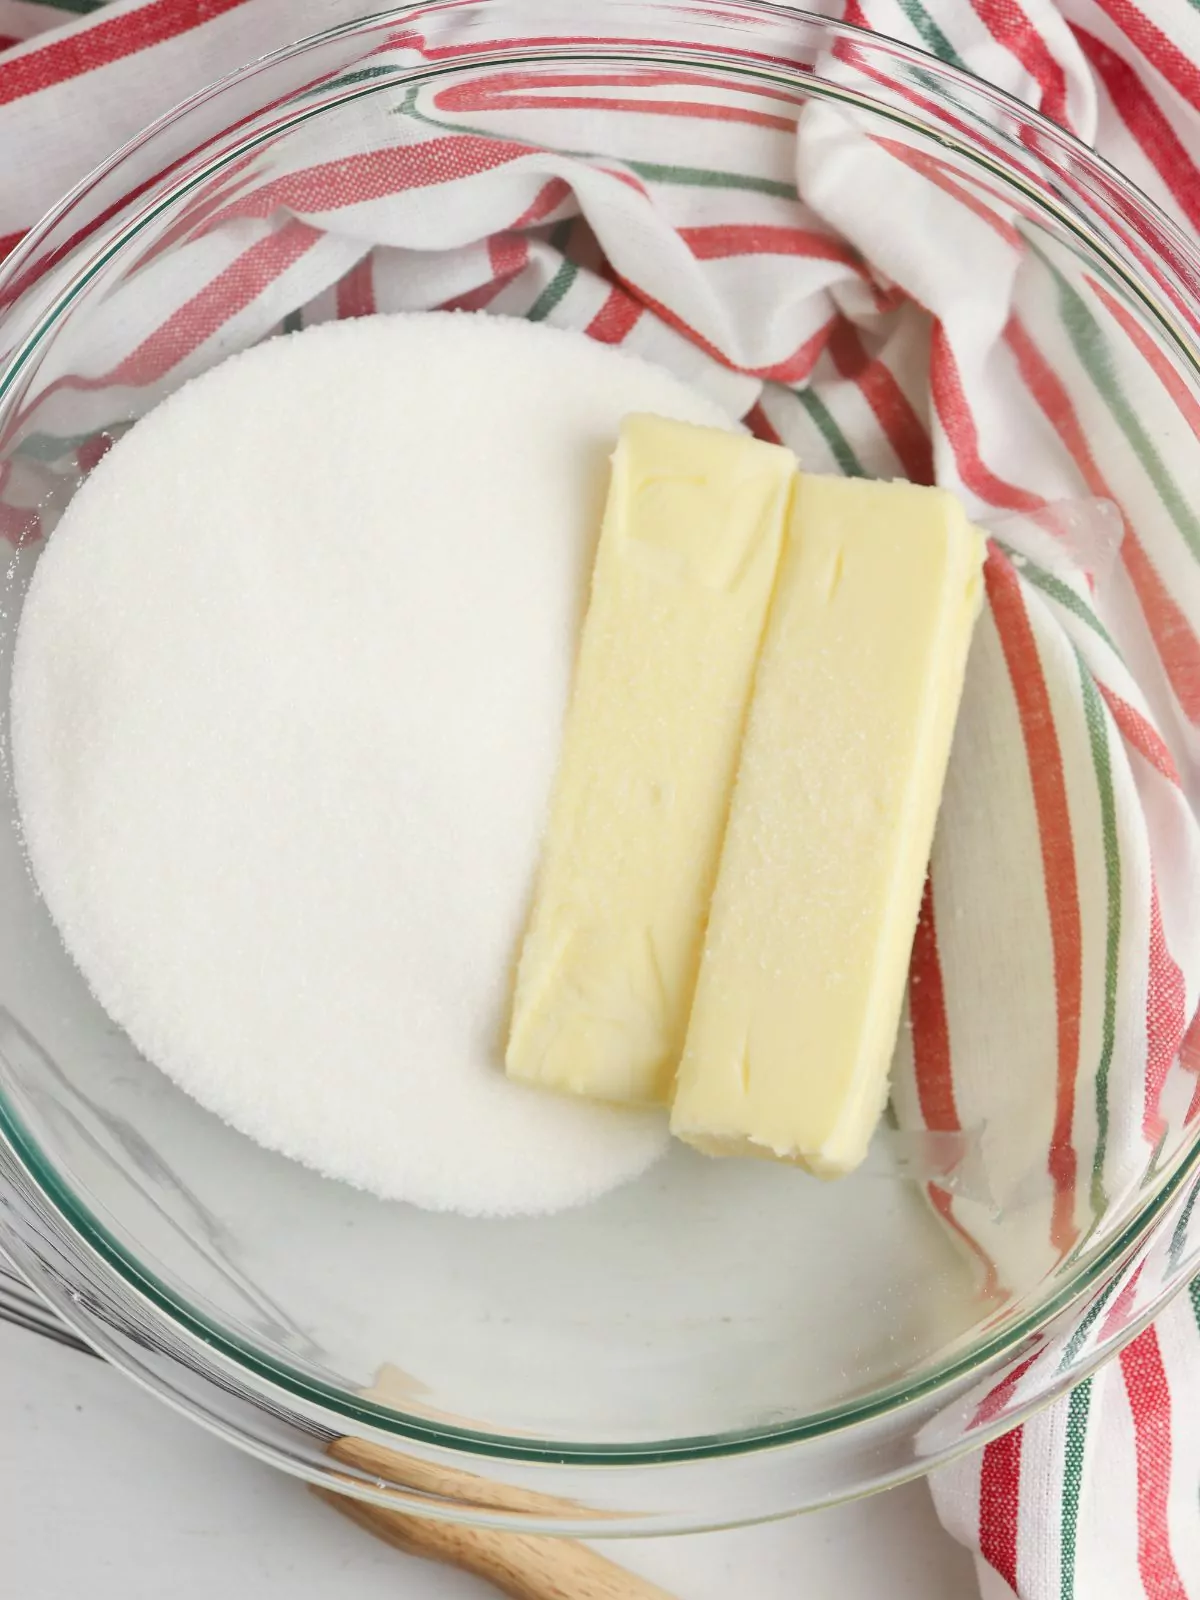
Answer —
85 1227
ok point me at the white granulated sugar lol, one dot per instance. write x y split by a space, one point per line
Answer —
286 709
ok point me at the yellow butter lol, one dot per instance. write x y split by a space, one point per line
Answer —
800 989
684 570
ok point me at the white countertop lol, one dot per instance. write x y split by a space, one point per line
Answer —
104 1491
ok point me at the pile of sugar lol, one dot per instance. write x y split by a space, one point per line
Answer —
285 712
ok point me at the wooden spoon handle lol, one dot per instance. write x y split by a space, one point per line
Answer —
523 1566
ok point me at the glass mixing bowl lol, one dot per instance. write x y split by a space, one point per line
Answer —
676 1356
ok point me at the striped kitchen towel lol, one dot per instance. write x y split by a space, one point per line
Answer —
773 261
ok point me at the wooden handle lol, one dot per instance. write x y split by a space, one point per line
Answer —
521 1565
390 1468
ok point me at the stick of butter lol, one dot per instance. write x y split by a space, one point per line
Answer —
685 566
801 985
